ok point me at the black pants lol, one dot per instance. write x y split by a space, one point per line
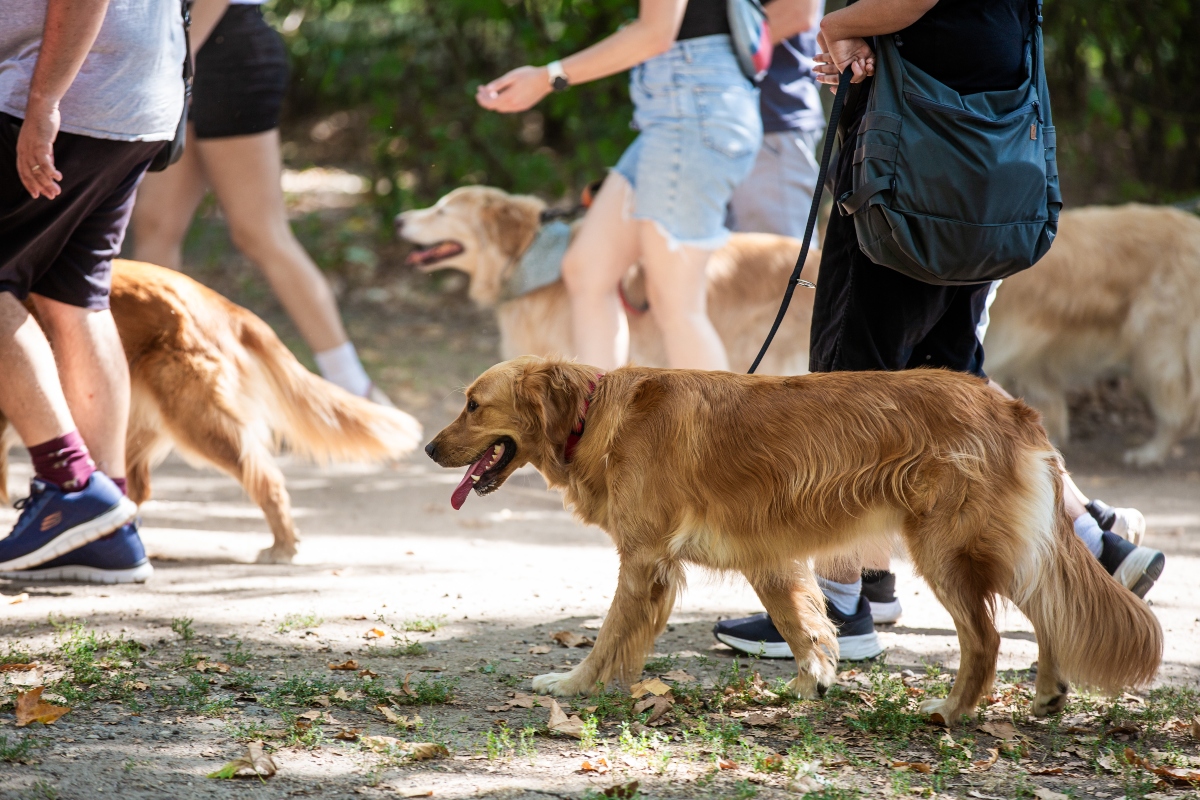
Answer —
870 317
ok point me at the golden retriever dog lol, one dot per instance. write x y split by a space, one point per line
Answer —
757 474
213 381
484 232
1117 295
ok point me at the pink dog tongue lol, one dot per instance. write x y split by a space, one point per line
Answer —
466 484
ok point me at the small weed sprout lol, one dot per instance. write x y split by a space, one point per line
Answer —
182 627
292 622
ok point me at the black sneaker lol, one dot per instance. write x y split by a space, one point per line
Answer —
757 635
879 587
1128 523
1134 567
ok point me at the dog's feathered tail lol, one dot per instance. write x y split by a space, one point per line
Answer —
318 420
1100 634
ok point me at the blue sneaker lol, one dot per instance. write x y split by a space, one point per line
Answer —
757 635
118 557
54 522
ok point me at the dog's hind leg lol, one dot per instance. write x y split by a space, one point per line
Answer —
643 601
797 608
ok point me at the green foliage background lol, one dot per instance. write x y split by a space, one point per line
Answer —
1124 78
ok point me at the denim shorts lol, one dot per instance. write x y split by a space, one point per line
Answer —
699 132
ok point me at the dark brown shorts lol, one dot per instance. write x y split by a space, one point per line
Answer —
63 248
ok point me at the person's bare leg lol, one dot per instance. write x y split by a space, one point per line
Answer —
30 394
677 287
166 203
244 172
94 376
839 569
605 247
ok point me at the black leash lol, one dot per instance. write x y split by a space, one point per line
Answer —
834 114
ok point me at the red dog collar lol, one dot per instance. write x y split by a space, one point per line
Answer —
577 432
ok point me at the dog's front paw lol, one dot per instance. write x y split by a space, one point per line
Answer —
276 555
815 678
942 712
1051 703
564 684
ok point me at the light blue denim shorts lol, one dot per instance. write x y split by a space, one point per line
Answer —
699 132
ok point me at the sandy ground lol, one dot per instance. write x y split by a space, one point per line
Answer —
382 547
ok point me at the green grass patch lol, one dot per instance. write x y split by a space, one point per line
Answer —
182 627
292 622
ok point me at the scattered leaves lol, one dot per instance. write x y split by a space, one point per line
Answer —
679 676
341 695
213 666
622 791
657 706
539 649
915 766
30 708
396 719
254 763
375 633
368 673
725 763
17 667
559 722
599 766
572 639
350 664
1000 729
322 700
1179 775
986 764
348 734
417 751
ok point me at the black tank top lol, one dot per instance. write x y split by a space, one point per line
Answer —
969 45
703 18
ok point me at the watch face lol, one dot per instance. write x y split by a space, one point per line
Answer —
560 83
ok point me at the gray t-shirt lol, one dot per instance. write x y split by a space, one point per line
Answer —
130 87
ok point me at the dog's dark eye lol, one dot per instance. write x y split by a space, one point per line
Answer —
472 405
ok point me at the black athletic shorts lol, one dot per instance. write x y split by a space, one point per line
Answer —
63 248
870 317
241 76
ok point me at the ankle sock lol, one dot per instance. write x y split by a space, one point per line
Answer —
342 366
844 596
1087 529
63 461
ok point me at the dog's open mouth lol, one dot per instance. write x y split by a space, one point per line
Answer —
484 475
428 257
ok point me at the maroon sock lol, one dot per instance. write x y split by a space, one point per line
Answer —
63 462
120 482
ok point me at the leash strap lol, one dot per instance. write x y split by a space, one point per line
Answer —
834 114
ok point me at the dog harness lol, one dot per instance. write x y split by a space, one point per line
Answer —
577 432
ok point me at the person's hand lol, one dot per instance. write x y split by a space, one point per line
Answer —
35 149
518 90
836 55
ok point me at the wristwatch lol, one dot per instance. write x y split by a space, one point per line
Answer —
558 78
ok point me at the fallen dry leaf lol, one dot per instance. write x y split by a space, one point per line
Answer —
417 751
213 666
30 708
17 667
559 722
13 599
805 784
679 676
255 762
389 715
340 694
725 763
423 751
572 639
773 762
312 716
1049 794
1000 729
405 688
656 705
322 700
140 686
1047 771
1108 762
367 673
986 764
649 686
915 766
348 734
539 649
375 633
599 766
346 665
1180 775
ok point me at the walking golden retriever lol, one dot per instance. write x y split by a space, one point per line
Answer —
757 474
213 381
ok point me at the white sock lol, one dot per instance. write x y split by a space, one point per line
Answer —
844 596
1087 529
342 367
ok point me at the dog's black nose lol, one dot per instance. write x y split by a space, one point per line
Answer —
431 450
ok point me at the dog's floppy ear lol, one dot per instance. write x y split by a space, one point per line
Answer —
510 223
549 399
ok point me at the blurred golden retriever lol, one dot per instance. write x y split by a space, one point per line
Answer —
1117 295
757 474
213 381
484 232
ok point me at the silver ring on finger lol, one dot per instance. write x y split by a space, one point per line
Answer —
35 167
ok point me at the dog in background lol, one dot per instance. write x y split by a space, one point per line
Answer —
213 381
484 232
757 474
1117 295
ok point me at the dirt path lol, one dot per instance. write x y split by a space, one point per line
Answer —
467 602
